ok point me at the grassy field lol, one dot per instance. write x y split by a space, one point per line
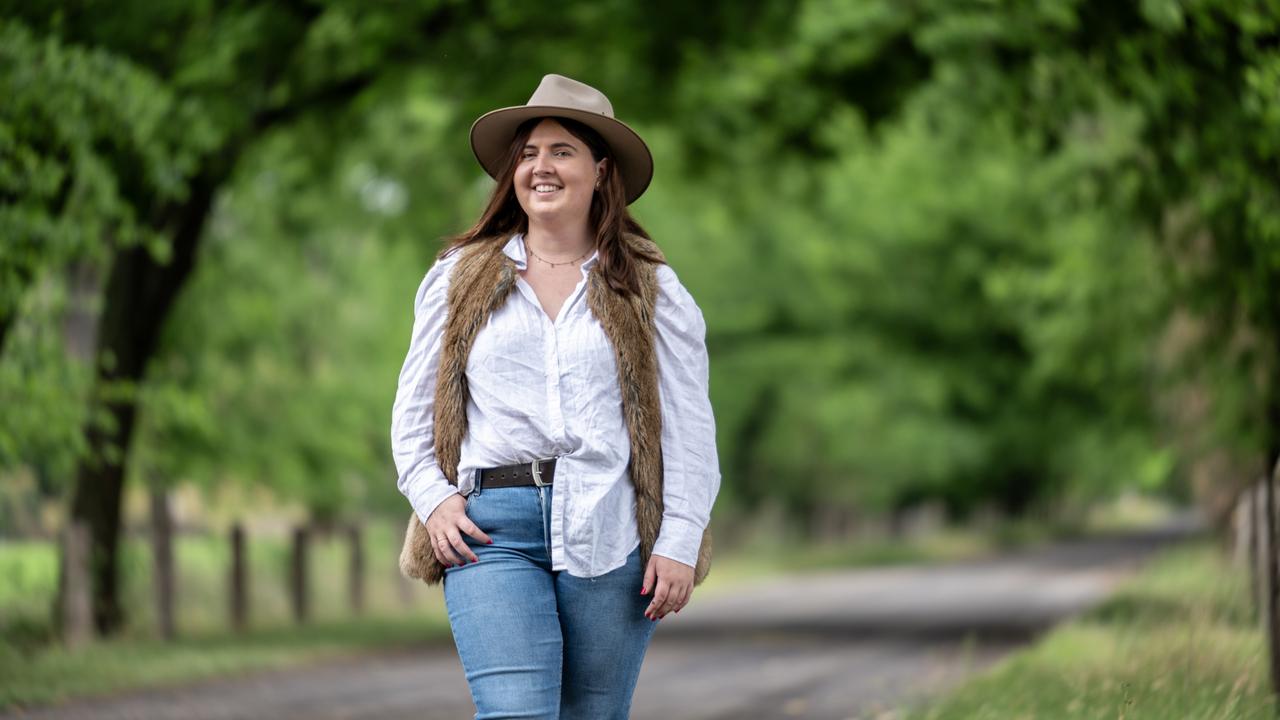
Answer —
1177 642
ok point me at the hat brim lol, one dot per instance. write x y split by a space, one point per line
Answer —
492 132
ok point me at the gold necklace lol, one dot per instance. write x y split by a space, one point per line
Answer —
568 262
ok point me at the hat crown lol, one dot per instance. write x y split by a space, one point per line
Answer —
560 91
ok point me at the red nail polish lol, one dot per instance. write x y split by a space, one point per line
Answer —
490 542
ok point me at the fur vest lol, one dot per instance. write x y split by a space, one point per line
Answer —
480 283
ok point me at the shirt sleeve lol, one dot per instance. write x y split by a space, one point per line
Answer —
412 415
691 467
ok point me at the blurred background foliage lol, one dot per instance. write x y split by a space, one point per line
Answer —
1009 257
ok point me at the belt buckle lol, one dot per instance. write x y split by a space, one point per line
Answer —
537 474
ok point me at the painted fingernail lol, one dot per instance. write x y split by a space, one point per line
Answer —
644 591
490 542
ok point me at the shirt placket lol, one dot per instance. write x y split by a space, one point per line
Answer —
560 329
555 416
553 330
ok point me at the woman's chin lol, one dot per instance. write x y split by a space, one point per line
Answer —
553 212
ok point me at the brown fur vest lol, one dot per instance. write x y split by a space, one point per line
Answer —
480 283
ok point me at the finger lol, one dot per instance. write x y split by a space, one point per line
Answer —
676 597
470 528
461 547
673 593
444 552
659 599
688 595
682 599
649 578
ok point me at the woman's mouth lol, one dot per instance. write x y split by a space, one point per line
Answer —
545 189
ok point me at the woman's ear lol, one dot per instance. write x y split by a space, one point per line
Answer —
601 168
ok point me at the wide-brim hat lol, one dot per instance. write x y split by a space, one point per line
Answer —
559 96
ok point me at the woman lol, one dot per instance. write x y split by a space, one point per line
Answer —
551 427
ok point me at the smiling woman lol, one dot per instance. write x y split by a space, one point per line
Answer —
552 427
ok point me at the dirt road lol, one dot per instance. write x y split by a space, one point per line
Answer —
834 645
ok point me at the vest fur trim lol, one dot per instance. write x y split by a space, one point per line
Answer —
480 283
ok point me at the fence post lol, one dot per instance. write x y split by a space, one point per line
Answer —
298 574
239 584
355 569
162 558
1270 578
77 602
1247 538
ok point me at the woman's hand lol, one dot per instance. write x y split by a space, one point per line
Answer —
671 582
446 525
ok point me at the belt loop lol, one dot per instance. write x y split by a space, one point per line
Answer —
475 485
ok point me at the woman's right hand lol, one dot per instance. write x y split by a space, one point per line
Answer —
446 525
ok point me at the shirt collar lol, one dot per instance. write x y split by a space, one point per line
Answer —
515 250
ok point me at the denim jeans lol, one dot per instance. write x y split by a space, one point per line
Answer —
537 643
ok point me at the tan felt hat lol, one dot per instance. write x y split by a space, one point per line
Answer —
559 96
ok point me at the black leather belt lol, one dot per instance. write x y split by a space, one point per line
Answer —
538 472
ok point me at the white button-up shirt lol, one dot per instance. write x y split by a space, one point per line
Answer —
541 388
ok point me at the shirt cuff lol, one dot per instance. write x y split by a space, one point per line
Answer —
429 497
679 540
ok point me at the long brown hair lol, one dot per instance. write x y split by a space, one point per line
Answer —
609 217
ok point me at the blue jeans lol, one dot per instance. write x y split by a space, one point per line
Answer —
537 643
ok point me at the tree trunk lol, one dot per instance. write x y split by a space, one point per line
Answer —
162 552
140 292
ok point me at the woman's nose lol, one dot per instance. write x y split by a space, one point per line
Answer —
541 163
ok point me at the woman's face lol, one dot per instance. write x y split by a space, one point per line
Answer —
556 175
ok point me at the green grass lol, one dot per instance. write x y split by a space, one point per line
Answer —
1178 641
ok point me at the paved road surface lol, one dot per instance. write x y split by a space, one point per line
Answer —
850 644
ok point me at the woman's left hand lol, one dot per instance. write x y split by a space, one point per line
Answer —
671 583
